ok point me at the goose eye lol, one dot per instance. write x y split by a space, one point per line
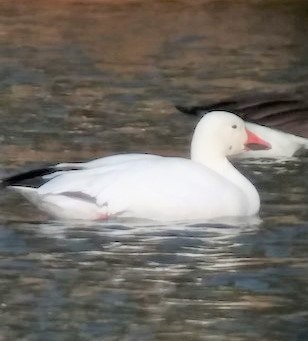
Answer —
234 126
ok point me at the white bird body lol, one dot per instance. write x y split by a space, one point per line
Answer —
150 187
154 187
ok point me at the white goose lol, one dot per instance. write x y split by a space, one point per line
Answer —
150 186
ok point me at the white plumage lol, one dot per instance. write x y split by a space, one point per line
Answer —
154 187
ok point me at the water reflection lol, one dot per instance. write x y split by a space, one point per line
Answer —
85 79
107 281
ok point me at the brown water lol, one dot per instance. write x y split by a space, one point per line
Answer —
82 79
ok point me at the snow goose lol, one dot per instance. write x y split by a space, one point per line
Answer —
149 186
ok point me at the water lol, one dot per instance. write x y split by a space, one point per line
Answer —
84 79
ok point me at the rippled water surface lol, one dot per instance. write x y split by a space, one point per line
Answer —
82 79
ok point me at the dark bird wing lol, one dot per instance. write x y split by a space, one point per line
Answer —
34 177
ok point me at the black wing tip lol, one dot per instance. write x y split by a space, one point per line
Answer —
34 177
18 178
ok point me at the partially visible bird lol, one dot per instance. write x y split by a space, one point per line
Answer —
280 119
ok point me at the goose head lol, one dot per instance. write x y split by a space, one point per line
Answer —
220 134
